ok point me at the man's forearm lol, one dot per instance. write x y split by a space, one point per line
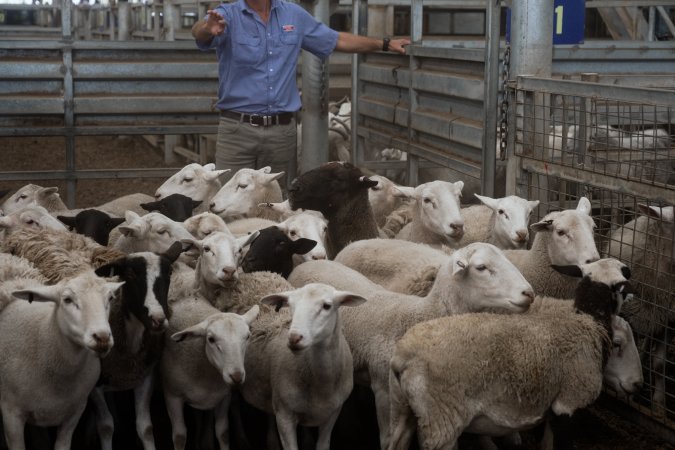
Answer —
201 32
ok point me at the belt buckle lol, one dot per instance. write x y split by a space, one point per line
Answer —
250 120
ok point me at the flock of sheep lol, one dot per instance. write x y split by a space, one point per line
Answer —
226 296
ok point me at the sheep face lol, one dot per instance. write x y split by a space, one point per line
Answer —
623 371
272 250
153 232
92 223
194 180
225 337
242 193
328 187
308 225
176 207
204 224
314 311
31 194
511 220
438 206
488 280
31 216
219 257
570 235
82 308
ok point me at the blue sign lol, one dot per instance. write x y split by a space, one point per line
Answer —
569 19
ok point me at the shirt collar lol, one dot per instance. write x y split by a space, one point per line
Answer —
244 6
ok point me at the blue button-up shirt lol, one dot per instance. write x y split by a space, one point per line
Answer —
257 61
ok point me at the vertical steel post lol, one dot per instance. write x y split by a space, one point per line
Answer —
314 101
123 18
68 102
416 22
359 26
492 40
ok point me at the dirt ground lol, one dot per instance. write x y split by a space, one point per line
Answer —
597 428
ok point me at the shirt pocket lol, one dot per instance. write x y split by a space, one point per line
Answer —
290 37
247 49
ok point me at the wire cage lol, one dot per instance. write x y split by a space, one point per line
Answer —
614 146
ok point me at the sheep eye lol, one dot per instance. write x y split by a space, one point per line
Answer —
30 222
501 211
427 200
23 196
207 248
376 188
187 180
616 344
326 306
161 231
206 232
481 268
211 339
561 232
325 229
293 233
67 300
242 186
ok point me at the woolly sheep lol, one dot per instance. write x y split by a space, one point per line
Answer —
198 182
340 192
302 371
435 387
475 278
203 224
69 333
92 223
176 207
130 202
240 196
242 227
202 359
400 266
12 266
646 243
562 238
436 216
31 216
272 250
503 221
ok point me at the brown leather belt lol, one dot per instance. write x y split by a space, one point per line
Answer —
259 120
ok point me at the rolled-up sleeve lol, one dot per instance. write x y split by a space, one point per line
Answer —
319 39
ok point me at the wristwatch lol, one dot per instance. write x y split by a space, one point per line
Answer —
385 44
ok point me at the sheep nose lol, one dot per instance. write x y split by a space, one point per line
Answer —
529 295
102 338
157 196
522 235
317 257
237 377
212 205
457 226
228 272
294 339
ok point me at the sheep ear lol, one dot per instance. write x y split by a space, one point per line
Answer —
69 221
584 206
533 204
367 182
541 226
651 211
403 191
209 167
571 270
343 298
245 240
194 331
275 176
196 203
173 252
459 267
251 314
38 294
150 206
488 201
277 301
112 268
215 174
303 245
459 185
114 221
46 192
266 169
191 247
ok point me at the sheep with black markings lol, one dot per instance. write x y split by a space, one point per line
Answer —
69 333
384 198
176 207
273 250
153 232
301 371
475 278
92 223
340 192
203 359
519 368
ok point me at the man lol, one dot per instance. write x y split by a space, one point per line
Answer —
258 43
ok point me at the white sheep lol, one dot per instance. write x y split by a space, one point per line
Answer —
302 371
203 358
240 196
69 332
562 238
309 225
203 224
32 194
475 278
198 182
31 216
242 227
282 209
153 232
436 216
646 243
384 198
493 374
397 265
503 222
12 266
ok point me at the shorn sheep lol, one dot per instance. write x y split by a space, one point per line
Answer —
493 375
647 244
69 333
198 182
475 278
92 223
436 216
240 196
202 360
176 207
274 251
302 371
340 192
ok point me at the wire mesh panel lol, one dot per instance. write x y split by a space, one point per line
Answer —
614 146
